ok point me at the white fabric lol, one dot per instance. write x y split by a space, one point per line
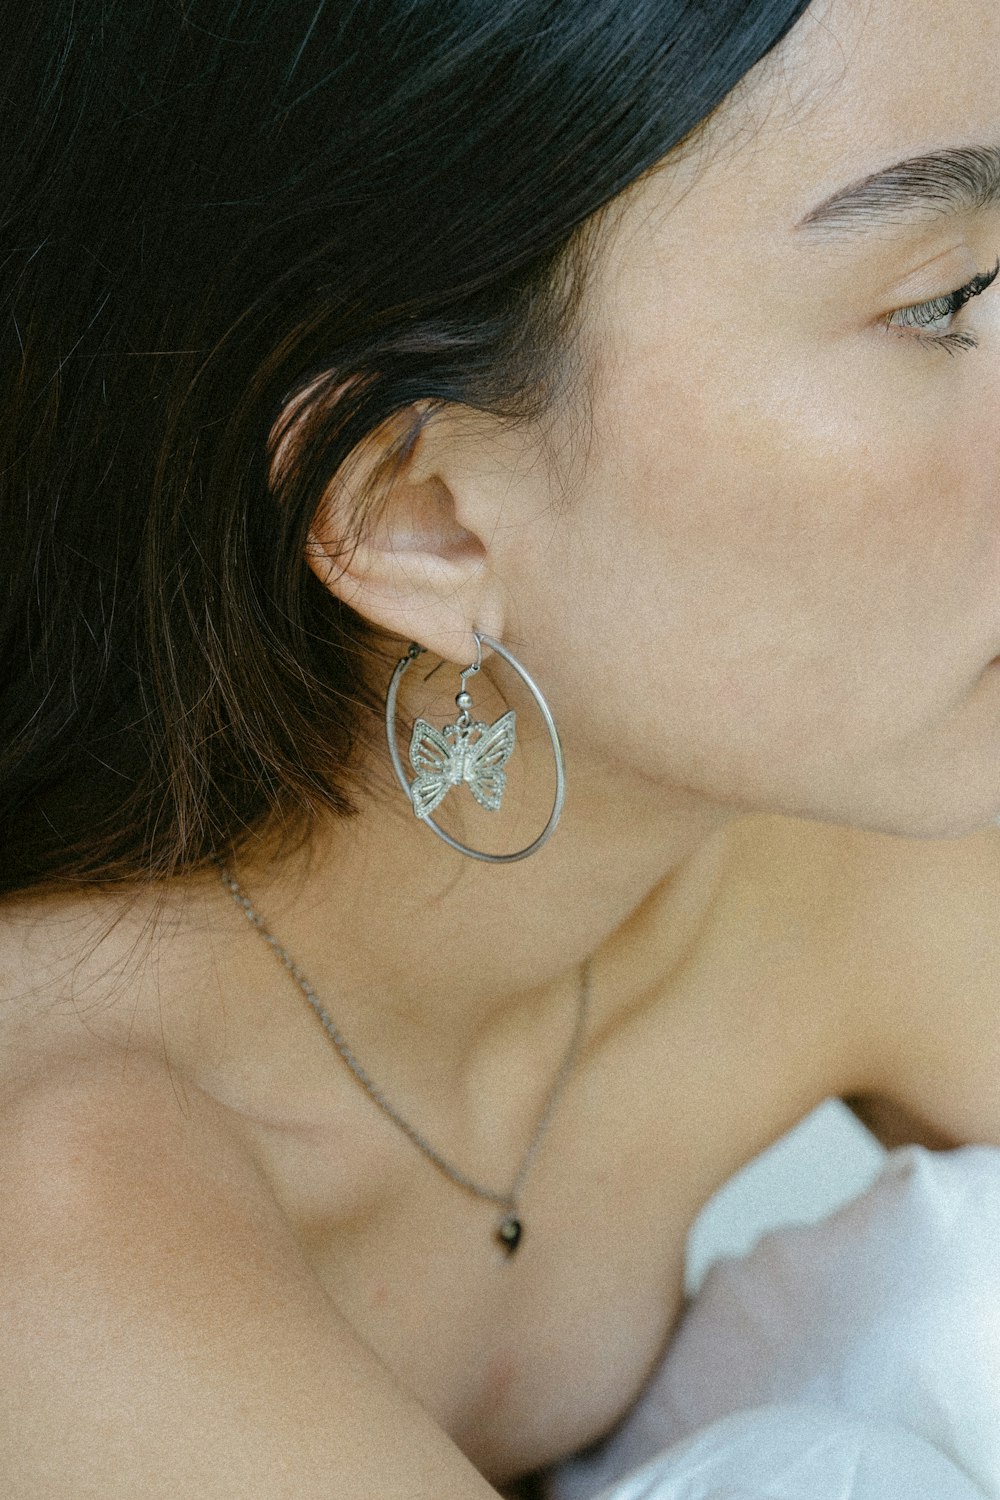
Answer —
797 1453
854 1359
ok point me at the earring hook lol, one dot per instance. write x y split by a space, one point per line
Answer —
471 671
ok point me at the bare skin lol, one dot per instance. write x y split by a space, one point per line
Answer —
762 601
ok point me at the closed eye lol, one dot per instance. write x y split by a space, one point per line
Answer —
924 315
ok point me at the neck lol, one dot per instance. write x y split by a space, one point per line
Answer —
405 936
423 952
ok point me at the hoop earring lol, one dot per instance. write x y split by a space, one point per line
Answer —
468 751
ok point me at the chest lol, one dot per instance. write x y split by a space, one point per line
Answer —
523 1359
692 1065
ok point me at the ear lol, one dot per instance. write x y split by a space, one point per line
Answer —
404 533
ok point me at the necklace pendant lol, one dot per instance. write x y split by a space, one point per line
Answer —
510 1232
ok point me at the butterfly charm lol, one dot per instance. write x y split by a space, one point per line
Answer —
465 751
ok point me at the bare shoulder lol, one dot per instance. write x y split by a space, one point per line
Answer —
921 918
162 1332
896 900
889 947
107 978
119 1168
63 953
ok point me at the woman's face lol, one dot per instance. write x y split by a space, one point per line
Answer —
776 579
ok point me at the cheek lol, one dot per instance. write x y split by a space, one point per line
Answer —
877 505
795 532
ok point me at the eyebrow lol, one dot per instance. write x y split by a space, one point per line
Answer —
962 180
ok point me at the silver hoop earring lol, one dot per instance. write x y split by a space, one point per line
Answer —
468 751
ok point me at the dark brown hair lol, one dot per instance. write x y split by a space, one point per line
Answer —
205 210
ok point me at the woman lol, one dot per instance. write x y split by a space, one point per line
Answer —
655 345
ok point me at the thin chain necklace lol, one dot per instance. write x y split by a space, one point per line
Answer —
510 1231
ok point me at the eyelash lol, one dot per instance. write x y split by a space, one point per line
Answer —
923 313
